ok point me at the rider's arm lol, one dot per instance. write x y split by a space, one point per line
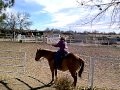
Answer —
57 45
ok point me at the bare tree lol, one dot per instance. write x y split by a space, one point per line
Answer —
11 21
23 21
16 21
104 6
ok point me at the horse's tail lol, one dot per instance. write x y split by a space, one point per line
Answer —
81 68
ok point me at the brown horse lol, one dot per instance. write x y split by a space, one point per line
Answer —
70 62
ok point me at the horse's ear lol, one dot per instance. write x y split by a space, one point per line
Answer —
39 49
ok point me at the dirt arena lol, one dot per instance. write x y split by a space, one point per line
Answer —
37 74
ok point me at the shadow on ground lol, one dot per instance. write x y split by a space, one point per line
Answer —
5 84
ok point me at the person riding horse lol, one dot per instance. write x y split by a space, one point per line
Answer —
69 61
62 44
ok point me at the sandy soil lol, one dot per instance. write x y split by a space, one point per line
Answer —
37 74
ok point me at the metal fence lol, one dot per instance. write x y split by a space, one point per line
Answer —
12 63
101 72
104 72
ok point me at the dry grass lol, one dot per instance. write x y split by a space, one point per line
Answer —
106 74
63 83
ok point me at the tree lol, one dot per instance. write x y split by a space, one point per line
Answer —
3 5
23 21
104 6
16 21
3 25
11 21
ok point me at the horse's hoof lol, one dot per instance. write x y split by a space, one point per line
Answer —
55 81
73 85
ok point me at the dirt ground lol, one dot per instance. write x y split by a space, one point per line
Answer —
37 74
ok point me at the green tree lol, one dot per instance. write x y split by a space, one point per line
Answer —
3 5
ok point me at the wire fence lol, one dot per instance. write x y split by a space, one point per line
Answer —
105 72
101 72
12 63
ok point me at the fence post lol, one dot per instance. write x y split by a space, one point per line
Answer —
24 63
91 73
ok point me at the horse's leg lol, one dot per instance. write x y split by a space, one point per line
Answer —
74 75
52 77
56 74
52 71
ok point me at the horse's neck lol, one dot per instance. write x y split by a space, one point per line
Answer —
49 55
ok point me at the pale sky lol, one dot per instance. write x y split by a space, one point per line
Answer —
61 14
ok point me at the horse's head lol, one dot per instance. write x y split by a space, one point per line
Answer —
38 54
43 53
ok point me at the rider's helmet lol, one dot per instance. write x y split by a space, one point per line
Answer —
62 38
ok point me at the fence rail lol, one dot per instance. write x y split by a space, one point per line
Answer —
103 71
12 62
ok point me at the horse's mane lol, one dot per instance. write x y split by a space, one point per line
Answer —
53 51
48 50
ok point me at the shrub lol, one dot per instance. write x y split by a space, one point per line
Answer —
64 84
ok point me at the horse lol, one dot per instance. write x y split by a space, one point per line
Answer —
70 62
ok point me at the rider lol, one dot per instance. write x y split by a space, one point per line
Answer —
62 44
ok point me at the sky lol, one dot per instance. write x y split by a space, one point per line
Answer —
61 14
